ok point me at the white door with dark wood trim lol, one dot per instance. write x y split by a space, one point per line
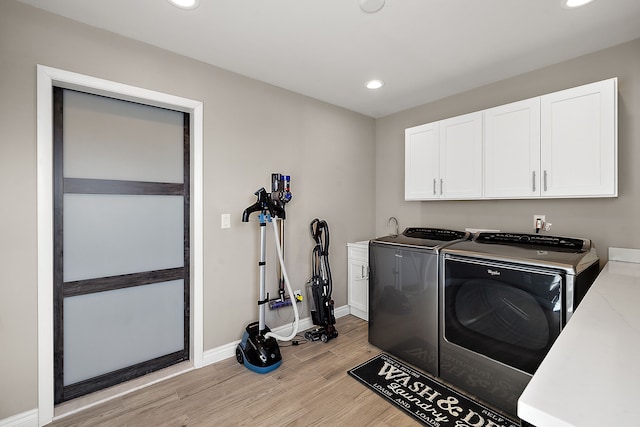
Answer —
121 241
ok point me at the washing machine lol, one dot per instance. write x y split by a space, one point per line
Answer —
403 293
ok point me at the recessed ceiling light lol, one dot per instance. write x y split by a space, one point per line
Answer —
371 6
572 4
185 4
374 84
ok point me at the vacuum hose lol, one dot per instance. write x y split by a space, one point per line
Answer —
296 315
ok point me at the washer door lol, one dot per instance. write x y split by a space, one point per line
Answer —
506 313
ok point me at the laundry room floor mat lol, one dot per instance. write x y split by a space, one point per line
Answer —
428 401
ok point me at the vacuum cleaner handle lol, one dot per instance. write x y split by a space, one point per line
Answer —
318 228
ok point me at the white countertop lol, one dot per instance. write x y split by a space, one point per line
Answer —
591 376
362 244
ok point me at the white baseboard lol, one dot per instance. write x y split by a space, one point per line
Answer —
226 351
359 313
341 311
24 419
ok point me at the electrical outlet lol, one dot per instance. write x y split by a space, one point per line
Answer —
297 295
537 218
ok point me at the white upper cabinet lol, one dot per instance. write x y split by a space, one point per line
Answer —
421 162
564 144
579 141
512 150
461 157
443 160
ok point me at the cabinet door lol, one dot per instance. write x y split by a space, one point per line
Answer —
512 150
461 157
579 141
421 162
358 288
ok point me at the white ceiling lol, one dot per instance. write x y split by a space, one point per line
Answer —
326 49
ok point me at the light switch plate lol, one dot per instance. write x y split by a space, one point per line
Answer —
225 221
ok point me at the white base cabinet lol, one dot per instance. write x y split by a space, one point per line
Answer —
358 279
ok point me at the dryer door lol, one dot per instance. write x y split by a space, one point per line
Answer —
509 313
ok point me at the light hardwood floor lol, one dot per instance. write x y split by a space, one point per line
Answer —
310 388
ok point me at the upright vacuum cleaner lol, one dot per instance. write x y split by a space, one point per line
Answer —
258 350
320 286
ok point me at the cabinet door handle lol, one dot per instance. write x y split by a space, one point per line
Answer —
533 181
441 185
434 186
362 271
545 180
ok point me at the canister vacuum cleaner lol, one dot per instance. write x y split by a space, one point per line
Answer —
258 350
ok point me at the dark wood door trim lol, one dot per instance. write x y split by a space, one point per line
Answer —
110 186
63 289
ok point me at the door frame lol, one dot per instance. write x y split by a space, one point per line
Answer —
47 78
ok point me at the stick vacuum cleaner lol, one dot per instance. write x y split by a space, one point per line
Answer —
258 349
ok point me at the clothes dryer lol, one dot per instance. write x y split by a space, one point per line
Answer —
505 298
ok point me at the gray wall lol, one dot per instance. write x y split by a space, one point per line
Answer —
608 222
250 130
